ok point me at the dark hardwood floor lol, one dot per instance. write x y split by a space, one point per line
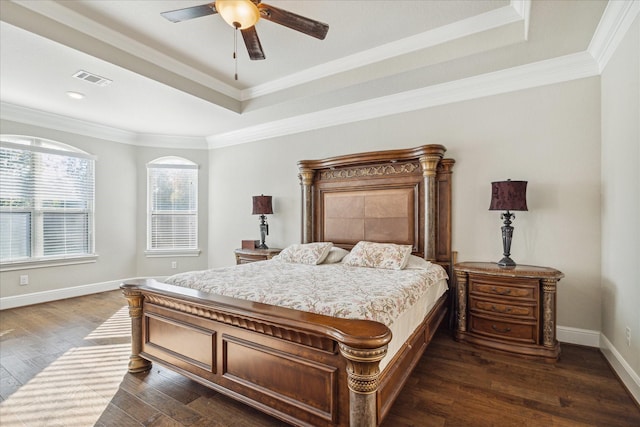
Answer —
64 364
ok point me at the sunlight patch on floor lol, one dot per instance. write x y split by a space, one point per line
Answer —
118 325
75 389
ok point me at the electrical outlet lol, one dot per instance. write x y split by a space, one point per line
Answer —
627 333
174 264
24 280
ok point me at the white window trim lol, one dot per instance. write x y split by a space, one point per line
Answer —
47 262
165 253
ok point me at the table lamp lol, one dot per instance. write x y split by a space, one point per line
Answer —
508 196
262 206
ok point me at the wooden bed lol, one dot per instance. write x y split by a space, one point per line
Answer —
300 367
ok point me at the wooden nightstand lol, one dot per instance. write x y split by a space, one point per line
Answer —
244 256
509 309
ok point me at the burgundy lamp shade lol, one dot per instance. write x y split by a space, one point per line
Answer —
262 205
508 196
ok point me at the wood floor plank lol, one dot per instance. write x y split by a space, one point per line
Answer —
231 413
114 416
162 402
69 358
176 389
134 407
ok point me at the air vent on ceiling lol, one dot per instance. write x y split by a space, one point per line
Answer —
92 78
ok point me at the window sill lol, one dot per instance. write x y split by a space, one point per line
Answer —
165 253
43 263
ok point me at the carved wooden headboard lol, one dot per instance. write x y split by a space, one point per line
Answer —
393 196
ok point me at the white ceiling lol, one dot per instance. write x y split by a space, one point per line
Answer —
174 82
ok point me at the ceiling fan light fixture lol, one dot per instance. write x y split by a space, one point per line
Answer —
239 14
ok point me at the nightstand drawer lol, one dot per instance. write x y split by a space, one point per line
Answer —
522 291
245 256
497 306
495 328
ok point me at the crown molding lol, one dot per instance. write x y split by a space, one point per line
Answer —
616 20
556 70
446 33
171 141
523 8
62 123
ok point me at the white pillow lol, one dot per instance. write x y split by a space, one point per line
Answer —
336 254
305 253
378 255
417 263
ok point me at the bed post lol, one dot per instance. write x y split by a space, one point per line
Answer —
363 371
429 164
306 182
134 299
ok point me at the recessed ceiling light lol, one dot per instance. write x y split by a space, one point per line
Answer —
75 95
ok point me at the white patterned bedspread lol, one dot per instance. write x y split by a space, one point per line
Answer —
333 289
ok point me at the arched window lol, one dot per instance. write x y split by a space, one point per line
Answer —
172 225
46 201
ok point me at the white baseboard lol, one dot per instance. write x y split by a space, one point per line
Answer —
590 338
627 375
58 294
578 336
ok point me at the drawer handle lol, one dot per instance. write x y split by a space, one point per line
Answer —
504 310
502 331
502 292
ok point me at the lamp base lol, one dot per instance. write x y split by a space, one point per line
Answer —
264 232
506 262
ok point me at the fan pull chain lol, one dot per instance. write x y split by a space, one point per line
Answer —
235 48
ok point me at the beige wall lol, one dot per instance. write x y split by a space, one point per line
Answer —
120 217
549 136
621 198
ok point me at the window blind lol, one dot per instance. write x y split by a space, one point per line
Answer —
46 202
173 206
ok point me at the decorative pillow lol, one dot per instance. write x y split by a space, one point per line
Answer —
336 254
378 255
417 263
306 253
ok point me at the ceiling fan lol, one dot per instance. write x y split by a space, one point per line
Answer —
243 15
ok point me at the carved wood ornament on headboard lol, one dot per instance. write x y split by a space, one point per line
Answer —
395 196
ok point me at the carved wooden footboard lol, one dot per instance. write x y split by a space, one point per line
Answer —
305 368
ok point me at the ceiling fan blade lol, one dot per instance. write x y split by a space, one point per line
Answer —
190 12
251 40
296 22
